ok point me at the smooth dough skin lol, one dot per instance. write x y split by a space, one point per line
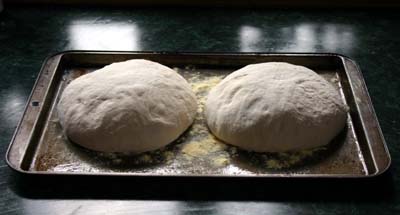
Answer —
133 106
275 107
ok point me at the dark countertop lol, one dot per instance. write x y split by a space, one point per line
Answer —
29 35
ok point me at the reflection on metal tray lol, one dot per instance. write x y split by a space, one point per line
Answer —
39 147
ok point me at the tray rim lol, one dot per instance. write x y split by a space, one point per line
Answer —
380 170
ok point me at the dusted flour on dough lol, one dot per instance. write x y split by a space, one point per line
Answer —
275 107
133 106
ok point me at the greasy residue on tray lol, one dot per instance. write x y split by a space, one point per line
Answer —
195 152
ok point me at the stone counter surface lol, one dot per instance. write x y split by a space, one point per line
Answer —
29 35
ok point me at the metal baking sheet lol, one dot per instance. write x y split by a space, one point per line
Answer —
39 146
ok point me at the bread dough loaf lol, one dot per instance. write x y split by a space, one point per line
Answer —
133 106
275 107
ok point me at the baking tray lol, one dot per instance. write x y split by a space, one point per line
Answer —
39 147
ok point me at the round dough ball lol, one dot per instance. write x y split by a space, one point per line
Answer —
275 107
133 106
